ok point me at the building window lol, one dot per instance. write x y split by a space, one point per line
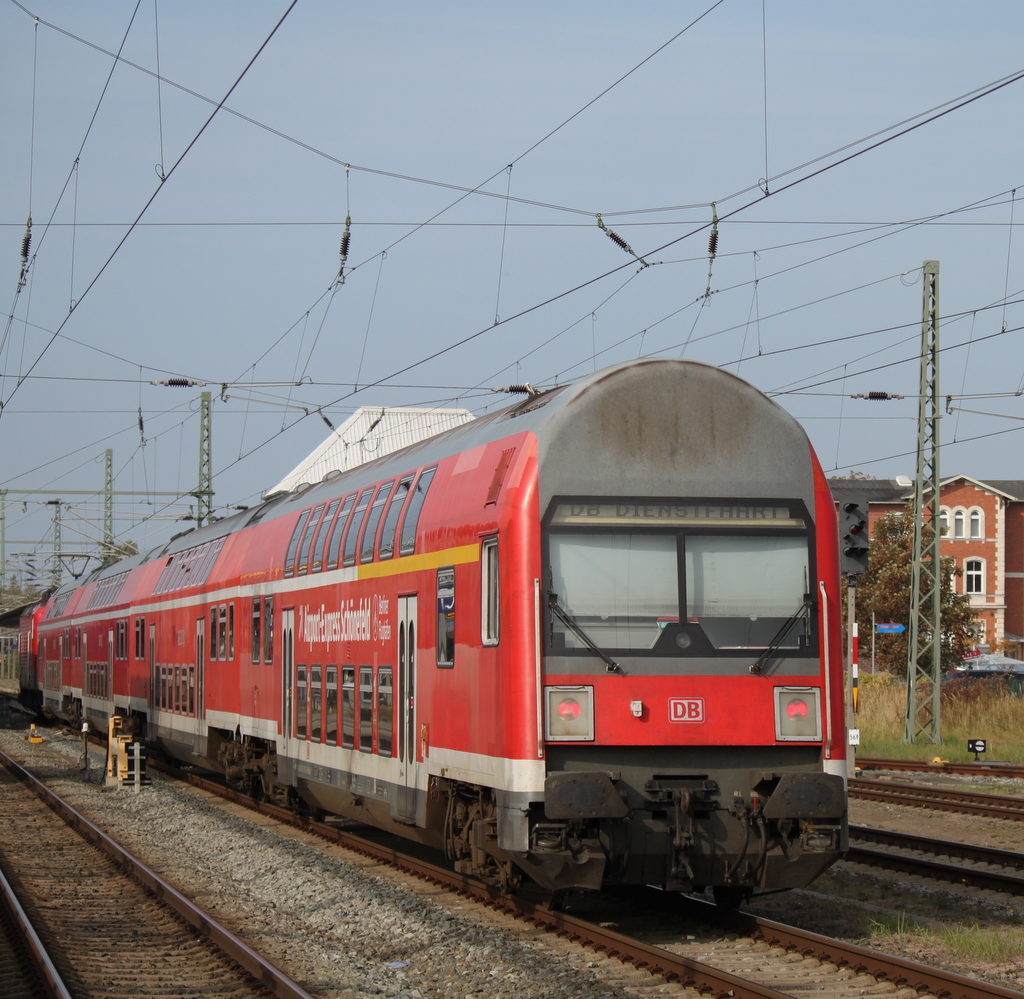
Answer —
973 576
944 520
975 522
958 524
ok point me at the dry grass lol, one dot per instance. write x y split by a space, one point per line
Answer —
980 709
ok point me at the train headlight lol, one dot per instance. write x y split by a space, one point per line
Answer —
570 713
797 713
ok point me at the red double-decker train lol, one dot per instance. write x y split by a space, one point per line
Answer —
592 638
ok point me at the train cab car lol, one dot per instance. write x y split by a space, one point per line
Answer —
590 639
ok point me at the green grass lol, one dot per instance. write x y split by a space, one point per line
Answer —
984 709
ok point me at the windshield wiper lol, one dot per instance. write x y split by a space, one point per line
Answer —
783 633
571 623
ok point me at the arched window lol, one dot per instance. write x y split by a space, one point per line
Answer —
974 576
958 524
975 523
944 520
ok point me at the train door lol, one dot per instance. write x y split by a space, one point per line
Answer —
287 679
195 680
154 680
106 690
408 769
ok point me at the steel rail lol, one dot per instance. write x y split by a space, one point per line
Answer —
897 970
257 966
978 769
36 948
952 870
674 967
995 806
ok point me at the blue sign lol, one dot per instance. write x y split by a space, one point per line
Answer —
890 629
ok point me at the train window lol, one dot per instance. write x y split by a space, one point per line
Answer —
121 649
257 630
191 690
140 638
446 617
315 702
300 702
78 643
412 514
385 710
387 532
213 633
293 545
352 532
331 706
231 631
338 532
366 709
321 537
268 629
65 644
348 706
489 591
163 688
307 541
222 633
621 589
177 688
679 593
743 590
372 520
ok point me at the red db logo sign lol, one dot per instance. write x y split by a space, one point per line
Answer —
686 709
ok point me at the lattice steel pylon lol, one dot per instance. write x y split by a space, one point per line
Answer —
108 505
204 493
924 638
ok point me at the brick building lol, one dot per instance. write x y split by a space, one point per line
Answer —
984 524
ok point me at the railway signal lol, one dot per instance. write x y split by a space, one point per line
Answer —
853 539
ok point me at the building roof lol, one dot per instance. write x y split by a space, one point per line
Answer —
901 489
368 433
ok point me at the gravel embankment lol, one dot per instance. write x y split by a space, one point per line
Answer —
336 922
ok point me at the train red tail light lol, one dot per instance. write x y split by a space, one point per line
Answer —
569 714
797 713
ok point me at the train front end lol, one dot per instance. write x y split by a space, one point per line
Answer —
693 703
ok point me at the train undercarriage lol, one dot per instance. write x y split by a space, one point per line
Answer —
732 829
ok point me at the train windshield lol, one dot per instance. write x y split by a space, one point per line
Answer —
694 590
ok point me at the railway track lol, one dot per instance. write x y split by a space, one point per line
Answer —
26 969
958 863
960 769
994 806
756 958
112 927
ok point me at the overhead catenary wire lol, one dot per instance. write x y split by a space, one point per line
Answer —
145 207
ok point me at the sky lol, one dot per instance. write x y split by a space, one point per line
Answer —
189 200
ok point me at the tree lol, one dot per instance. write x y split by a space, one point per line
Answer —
884 590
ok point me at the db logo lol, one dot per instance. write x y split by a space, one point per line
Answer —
686 709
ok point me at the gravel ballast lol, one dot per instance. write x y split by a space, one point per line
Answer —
339 924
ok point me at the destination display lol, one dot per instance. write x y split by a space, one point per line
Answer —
630 513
